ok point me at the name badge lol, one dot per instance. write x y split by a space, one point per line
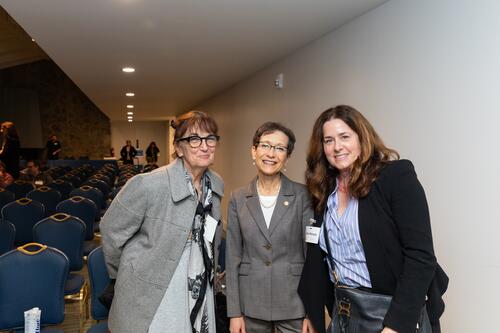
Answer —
312 234
210 227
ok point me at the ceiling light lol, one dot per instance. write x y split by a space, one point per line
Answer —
130 113
33 39
130 117
130 106
128 69
130 94
130 120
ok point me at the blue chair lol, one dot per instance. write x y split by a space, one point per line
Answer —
20 188
7 236
6 197
66 233
83 208
99 279
64 187
49 197
32 276
23 214
100 184
91 193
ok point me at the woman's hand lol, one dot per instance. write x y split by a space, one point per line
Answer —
388 330
237 325
307 326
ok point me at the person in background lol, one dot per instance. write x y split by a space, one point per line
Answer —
53 148
32 174
5 178
9 150
265 242
128 153
161 236
374 228
152 153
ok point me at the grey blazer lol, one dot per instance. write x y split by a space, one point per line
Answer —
143 233
263 266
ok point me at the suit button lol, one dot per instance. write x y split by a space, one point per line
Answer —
267 262
267 246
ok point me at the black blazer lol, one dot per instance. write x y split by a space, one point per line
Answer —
395 230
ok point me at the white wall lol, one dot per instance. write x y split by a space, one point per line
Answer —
427 75
145 132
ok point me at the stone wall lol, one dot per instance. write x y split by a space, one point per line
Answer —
64 109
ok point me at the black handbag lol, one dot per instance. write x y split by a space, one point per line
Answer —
360 311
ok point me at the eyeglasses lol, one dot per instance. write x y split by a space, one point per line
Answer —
196 140
266 147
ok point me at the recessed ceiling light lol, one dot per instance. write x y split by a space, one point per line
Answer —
130 106
130 94
128 69
130 113
33 39
130 120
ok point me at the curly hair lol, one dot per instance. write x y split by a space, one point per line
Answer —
321 176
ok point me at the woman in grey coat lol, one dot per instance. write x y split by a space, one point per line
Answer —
265 248
161 235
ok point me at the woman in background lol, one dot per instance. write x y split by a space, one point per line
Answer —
375 228
9 151
152 153
265 248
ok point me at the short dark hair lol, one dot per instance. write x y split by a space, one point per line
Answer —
271 127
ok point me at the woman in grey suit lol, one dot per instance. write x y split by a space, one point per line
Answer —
265 247
161 235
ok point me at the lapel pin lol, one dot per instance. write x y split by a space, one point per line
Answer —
285 203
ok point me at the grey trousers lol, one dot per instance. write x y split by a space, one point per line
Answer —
253 325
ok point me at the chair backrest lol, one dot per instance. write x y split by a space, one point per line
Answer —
23 214
7 236
6 197
99 279
32 276
20 188
49 197
83 208
64 187
91 193
63 232
100 184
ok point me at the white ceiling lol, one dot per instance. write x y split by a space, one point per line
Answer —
184 51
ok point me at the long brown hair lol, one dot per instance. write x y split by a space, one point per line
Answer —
321 176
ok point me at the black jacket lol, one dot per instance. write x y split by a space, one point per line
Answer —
395 230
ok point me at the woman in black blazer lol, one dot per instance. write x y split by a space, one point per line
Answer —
356 180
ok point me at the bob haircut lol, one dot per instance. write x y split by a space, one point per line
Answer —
321 176
271 127
192 120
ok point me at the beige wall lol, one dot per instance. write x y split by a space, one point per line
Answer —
426 73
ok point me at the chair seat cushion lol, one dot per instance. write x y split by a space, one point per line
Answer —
101 327
73 284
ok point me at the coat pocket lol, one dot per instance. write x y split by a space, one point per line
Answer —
295 269
244 269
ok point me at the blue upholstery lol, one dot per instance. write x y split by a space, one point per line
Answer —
99 279
7 236
32 280
20 188
23 214
6 197
63 232
73 284
74 180
91 193
64 187
83 208
49 197
100 184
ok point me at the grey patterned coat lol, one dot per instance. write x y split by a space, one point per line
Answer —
144 232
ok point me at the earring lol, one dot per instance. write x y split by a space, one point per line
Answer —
284 169
253 163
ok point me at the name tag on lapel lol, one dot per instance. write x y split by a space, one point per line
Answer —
312 234
210 227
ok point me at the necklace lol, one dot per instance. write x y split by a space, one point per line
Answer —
269 205
343 185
